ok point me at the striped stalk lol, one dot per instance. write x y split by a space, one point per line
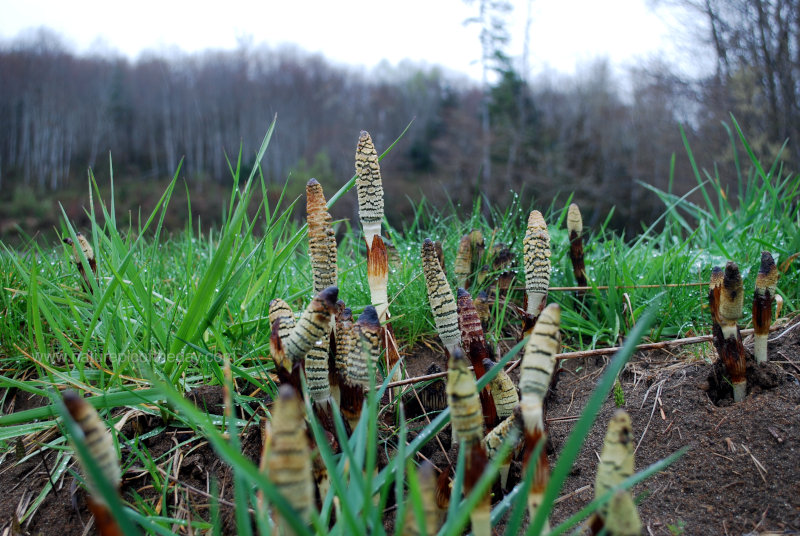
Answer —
313 326
289 463
467 420
509 429
366 349
504 392
321 238
538 363
536 256
619 516
369 187
432 515
443 305
281 319
100 445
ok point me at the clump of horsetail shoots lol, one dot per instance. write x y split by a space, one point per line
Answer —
509 429
504 392
538 363
731 350
463 265
432 515
289 462
619 515
88 252
364 354
474 344
575 228
467 420
321 238
281 318
766 283
536 248
443 304
98 441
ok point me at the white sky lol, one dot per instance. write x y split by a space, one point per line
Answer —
564 33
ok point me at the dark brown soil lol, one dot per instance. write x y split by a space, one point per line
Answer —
742 472
741 476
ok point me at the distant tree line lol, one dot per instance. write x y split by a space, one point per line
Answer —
62 113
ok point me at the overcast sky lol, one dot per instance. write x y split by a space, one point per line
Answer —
564 33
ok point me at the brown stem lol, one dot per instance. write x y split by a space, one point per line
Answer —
103 519
762 312
352 402
576 256
732 353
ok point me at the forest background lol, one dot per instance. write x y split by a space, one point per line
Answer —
600 133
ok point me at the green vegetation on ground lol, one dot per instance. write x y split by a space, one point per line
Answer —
165 309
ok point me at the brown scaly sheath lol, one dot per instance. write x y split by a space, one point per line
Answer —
731 349
536 249
474 344
467 420
575 229
766 283
100 444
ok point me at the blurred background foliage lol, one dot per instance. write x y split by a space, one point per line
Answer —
599 133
